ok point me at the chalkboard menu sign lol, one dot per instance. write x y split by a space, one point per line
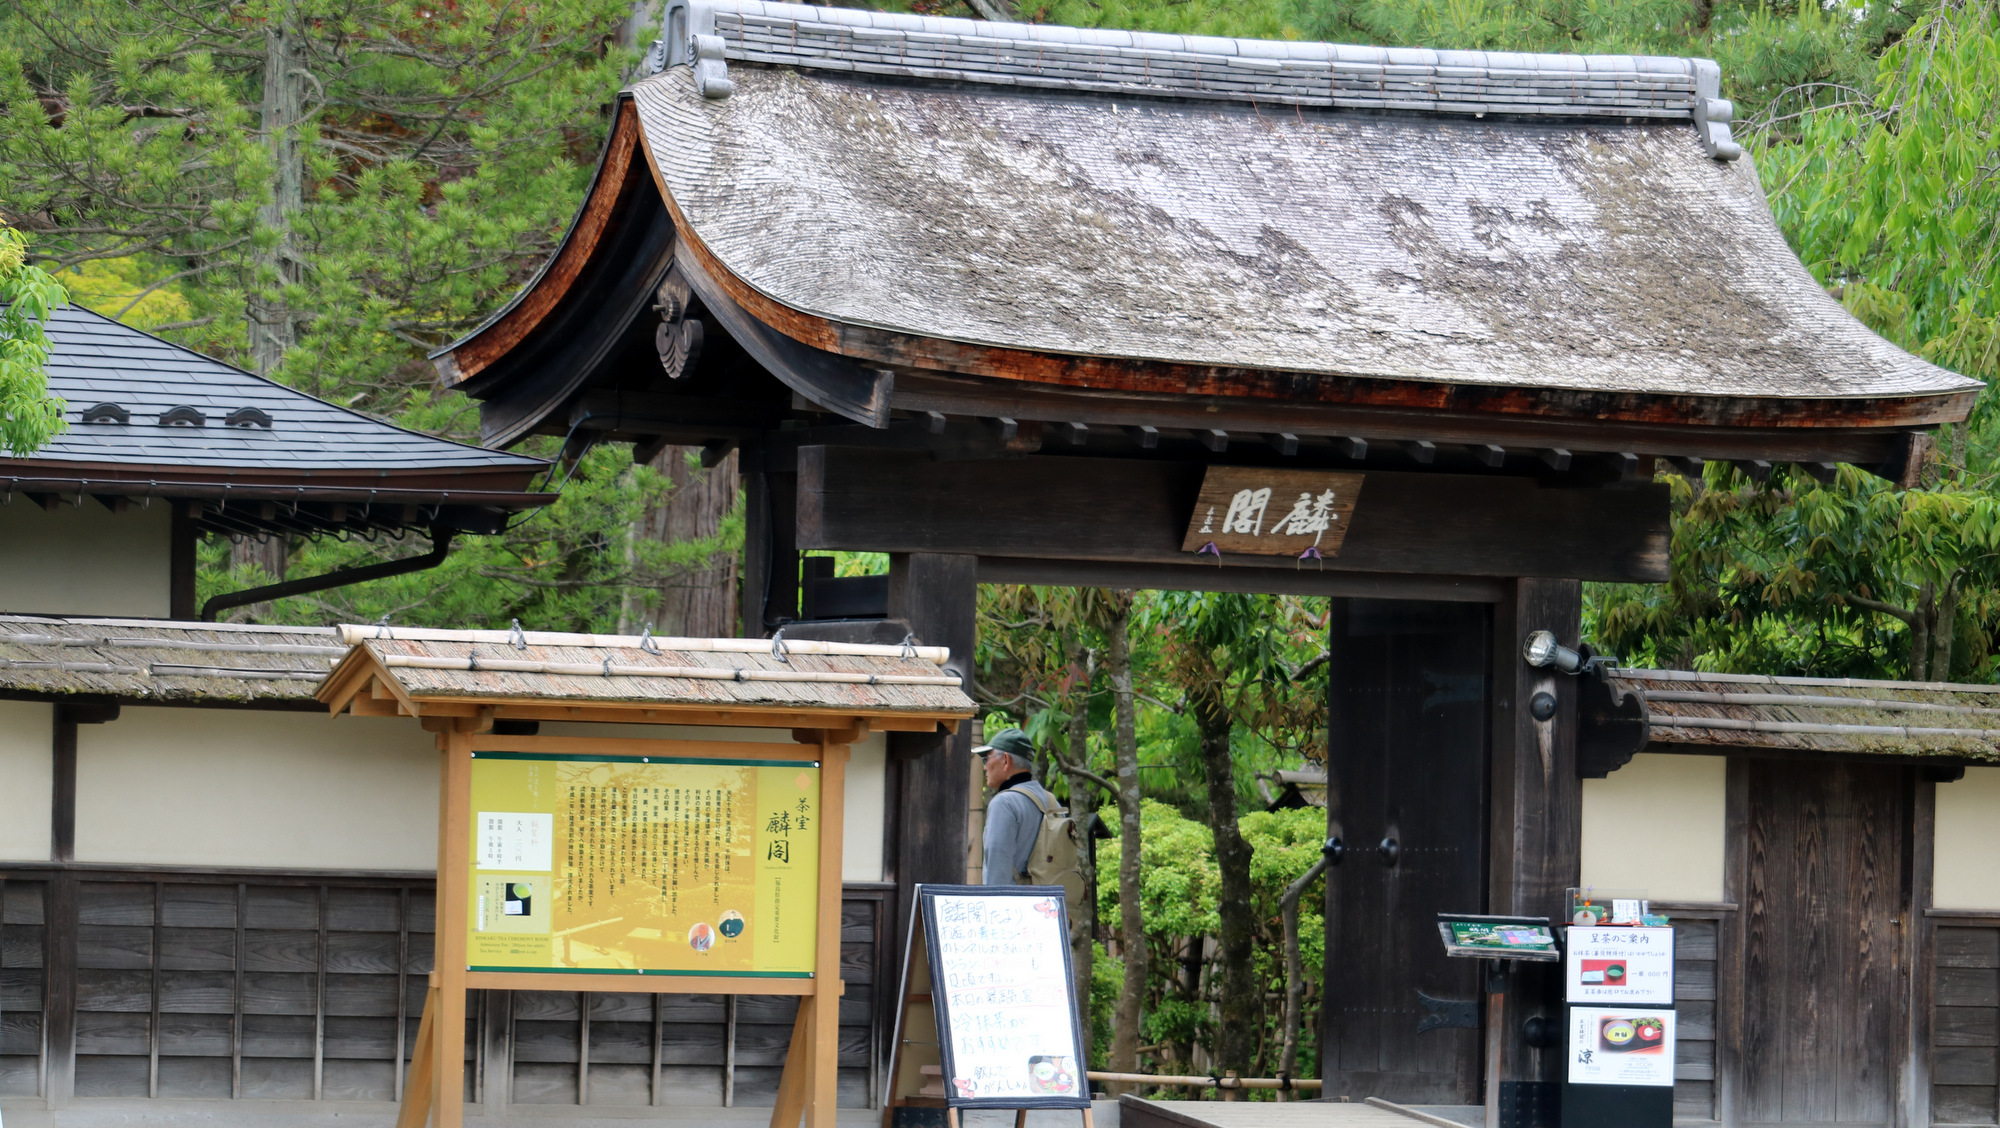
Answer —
1004 995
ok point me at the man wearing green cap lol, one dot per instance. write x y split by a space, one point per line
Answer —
1014 816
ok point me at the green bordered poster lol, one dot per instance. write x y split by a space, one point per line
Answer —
1498 937
643 865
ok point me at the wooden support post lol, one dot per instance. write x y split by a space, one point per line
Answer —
793 1083
826 960
1537 801
418 1094
454 849
1919 956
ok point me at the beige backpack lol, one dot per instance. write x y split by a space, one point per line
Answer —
1054 860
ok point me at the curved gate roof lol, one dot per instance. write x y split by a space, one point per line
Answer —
1120 213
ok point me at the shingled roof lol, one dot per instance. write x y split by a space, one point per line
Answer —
1567 246
148 418
1937 720
902 215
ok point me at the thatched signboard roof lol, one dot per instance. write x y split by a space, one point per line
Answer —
553 676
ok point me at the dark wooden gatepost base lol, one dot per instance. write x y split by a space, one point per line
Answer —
1535 834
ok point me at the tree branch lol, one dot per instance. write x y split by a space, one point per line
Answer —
1890 609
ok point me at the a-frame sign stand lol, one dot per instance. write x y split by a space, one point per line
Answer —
916 1050
433 1092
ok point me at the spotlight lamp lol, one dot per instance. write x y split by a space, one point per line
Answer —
1541 650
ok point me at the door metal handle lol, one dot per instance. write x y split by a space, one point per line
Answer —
1390 850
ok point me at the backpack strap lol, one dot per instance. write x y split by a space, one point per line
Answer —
1034 797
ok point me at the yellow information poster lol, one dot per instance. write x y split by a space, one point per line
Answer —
643 865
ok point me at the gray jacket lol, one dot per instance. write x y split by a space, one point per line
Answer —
1012 821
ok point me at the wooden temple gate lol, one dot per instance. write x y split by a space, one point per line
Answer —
1000 300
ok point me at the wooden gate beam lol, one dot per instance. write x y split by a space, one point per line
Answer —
1062 508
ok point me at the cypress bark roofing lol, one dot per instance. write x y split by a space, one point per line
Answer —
1598 256
97 360
1851 715
164 661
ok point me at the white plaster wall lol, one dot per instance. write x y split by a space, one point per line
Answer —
865 807
1657 824
27 773
1967 874
84 561
238 787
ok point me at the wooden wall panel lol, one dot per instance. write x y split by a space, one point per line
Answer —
1965 1046
194 986
1696 1059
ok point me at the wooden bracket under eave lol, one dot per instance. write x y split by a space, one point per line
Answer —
480 721
850 733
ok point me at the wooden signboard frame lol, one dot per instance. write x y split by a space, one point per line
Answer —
808 1086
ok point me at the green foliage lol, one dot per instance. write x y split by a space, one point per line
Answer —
29 416
1893 201
445 148
566 568
1896 200
1179 892
441 151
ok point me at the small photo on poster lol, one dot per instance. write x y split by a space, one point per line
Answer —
1621 1046
512 905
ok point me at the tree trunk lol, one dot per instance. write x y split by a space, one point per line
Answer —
273 326
1295 970
1944 627
1241 1001
1131 925
1082 801
1920 633
699 604
271 555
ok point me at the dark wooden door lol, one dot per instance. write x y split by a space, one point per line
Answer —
1408 735
1827 846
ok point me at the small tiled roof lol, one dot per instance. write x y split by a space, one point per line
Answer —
148 418
584 669
96 360
1851 715
169 662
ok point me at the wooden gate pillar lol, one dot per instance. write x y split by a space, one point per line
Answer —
770 593
1537 800
937 594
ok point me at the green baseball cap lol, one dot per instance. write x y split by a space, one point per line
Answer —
1012 741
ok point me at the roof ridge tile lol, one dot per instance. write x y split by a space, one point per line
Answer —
1196 66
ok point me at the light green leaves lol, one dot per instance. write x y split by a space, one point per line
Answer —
29 417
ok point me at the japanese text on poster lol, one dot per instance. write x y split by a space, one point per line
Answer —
645 866
1621 965
1000 965
1621 1046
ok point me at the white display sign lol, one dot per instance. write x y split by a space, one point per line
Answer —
1621 1046
517 840
1620 965
1007 1014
